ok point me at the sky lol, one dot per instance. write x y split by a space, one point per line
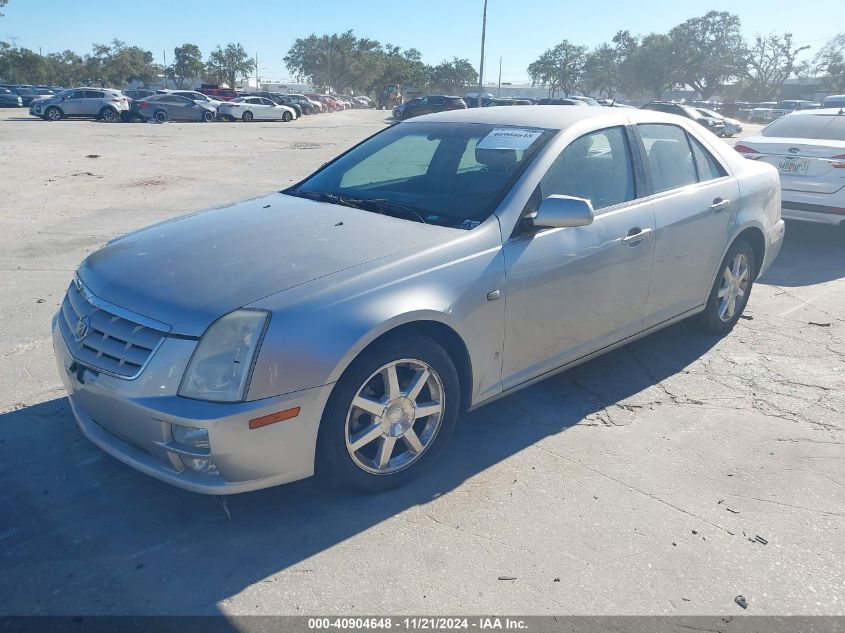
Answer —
517 31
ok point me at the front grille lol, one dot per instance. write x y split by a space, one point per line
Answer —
110 343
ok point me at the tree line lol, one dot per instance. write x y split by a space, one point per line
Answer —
342 61
705 53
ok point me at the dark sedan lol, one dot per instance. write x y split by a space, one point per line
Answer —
9 99
430 104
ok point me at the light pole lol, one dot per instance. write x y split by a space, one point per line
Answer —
481 65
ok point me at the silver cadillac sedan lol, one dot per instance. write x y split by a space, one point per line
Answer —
341 326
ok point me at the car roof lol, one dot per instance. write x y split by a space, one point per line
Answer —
543 116
817 112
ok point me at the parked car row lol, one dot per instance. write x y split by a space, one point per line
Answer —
207 105
26 92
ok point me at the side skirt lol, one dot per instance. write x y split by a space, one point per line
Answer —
591 356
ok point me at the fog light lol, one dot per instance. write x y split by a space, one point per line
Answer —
199 465
195 437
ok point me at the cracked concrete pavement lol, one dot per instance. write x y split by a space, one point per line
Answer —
638 480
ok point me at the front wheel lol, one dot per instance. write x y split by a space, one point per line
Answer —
208 116
53 114
731 290
287 117
389 416
247 116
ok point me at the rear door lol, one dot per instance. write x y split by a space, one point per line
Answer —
695 204
93 102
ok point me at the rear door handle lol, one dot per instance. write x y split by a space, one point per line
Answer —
635 236
719 204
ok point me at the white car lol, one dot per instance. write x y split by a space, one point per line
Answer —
808 149
732 126
256 108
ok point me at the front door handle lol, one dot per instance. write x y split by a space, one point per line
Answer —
635 236
719 204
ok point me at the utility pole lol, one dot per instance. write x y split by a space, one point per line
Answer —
481 65
257 79
499 91
164 64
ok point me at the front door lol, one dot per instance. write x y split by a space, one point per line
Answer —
573 291
695 204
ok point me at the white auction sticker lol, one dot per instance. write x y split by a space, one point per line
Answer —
509 138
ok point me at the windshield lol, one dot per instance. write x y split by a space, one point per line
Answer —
829 127
451 174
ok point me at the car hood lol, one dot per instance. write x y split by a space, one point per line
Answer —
189 271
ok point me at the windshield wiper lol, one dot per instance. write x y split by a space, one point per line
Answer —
375 205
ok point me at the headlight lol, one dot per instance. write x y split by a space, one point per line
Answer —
221 364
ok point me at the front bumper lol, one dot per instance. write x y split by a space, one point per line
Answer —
132 421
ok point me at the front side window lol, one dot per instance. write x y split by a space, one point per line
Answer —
596 166
451 174
669 156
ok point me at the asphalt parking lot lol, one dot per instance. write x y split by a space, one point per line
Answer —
634 484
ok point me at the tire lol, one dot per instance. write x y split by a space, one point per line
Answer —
247 116
160 116
731 290
287 117
109 115
397 427
208 116
53 114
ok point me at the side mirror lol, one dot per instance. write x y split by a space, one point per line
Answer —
562 212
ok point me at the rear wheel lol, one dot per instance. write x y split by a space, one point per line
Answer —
53 114
109 115
247 116
731 290
389 416
160 116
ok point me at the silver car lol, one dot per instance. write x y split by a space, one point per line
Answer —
342 326
92 103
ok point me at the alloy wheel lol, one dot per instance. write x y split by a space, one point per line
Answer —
394 416
734 287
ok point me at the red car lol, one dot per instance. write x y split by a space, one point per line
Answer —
216 92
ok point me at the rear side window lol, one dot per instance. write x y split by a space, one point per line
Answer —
436 100
596 166
708 167
669 156
816 126
94 94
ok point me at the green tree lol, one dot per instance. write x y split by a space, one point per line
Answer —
830 62
769 61
560 69
651 67
230 64
708 51
340 61
3 3
601 72
453 76
187 64
116 64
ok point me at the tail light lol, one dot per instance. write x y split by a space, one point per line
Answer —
751 154
841 161
144 104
